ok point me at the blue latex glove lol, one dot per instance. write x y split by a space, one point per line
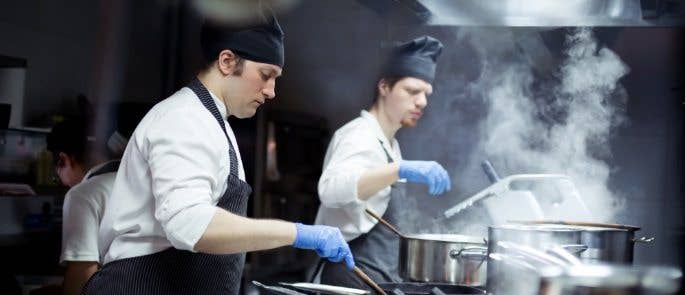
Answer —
327 241
427 172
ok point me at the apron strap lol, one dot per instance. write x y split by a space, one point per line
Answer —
206 99
390 160
112 166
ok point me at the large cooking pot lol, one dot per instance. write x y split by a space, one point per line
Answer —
538 237
537 273
441 258
454 259
609 280
612 243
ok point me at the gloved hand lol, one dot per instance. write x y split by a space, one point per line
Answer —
327 241
428 172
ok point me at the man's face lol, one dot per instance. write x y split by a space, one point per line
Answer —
406 100
251 88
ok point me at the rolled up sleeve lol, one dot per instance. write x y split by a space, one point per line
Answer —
183 167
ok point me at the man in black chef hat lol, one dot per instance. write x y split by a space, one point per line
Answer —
175 223
364 169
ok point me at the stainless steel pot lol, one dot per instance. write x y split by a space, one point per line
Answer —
454 259
612 243
609 280
537 237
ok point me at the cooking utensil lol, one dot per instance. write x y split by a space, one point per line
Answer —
499 198
327 289
368 280
537 237
606 242
384 222
454 259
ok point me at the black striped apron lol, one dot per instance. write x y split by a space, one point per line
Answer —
376 252
174 271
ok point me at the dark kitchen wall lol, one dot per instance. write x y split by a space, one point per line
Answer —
65 46
57 41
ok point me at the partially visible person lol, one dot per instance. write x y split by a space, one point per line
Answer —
90 183
176 223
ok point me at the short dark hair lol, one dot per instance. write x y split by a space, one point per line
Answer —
391 81
70 137
239 65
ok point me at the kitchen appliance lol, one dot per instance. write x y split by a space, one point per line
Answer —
443 258
404 288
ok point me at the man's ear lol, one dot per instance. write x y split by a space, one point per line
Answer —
66 161
383 87
226 62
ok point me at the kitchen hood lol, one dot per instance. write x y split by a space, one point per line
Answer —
535 13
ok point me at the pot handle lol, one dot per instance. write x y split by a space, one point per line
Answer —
645 240
469 252
574 248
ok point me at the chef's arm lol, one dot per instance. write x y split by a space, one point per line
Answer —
76 275
376 179
229 233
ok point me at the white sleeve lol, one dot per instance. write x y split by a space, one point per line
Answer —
80 223
350 157
183 167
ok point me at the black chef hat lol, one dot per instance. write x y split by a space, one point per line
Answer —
260 42
70 137
416 58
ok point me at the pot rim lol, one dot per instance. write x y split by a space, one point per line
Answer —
608 226
534 227
585 228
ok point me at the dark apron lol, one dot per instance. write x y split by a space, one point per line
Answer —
376 252
174 271
112 166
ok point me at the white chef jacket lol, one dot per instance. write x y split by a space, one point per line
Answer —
83 206
171 177
354 149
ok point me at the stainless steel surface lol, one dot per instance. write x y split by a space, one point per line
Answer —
502 274
609 280
611 243
503 188
276 289
454 259
325 289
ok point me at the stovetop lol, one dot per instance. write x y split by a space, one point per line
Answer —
407 288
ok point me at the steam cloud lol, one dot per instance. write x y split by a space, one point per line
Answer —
541 117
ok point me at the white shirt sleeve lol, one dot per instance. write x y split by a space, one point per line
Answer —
350 156
183 167
80 224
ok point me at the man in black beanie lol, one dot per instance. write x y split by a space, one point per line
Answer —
176 221
364 169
